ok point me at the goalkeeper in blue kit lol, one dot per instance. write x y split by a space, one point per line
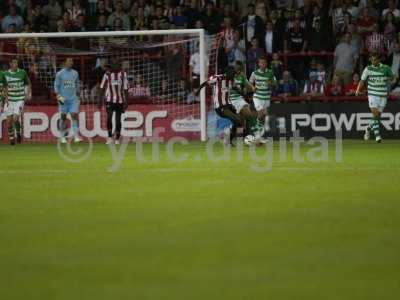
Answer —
66 87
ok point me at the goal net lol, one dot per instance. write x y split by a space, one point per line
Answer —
164 68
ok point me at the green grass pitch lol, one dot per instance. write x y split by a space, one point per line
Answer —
200 229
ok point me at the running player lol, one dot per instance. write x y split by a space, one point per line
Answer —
241 87
17 89
378 78
263 80
222 88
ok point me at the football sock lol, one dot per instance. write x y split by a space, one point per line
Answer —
375 127
75 127
371 125
18 127
11 132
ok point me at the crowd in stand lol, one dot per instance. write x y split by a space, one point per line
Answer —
314 47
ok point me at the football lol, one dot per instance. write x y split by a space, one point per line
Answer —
249 139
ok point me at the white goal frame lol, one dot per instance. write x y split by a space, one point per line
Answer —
202 52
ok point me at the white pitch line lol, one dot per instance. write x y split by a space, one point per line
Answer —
190 170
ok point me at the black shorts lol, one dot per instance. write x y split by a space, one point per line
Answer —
117 107
220 110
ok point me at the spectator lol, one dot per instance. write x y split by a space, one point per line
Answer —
261 10
298 15
390 27
182 92
253 25
366 23
276 65
253 54
75 11
313 88
125 3
211 19
337 12
271 39
91 7
161 21
80 24
351 88
321 72
67 21
230 9
376 41
140 21
194 70
312 69
179 19
391 8
394 59
279 24
374 10
356 39
60 26
12 18
37 20
119 14
345 58
296 42
118 26
140 90
352 9
169 9
318 40
100 11
296 38
165 91
193 13
348 20
174 60
307 10
237 51
335 88
52 11
287 86
102 24
228 34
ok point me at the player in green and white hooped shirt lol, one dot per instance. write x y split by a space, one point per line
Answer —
378 78
2 98
263 80
240 87
17 88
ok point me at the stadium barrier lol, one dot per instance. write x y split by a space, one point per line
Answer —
325 118
142 122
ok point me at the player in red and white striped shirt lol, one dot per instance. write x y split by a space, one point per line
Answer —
114 88
222 84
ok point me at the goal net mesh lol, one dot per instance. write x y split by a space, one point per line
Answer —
162 71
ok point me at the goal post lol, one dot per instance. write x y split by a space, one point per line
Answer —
144 54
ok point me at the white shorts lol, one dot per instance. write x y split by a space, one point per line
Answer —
239 104
13 108
261 104
377 102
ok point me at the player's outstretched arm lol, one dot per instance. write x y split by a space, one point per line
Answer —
102 90
28 89
360 88
203 85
